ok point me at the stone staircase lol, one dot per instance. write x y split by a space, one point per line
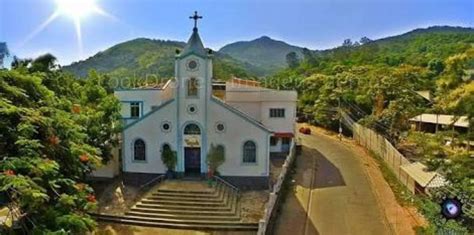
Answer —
187 205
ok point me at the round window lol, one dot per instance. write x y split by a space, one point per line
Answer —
192 109
220 127
166 126
192 65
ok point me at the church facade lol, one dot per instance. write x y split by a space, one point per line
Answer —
189 115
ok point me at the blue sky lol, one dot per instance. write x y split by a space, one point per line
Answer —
316 24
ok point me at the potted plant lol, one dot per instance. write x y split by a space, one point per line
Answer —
215 158
169 158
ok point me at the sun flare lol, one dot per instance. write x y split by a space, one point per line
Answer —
77 9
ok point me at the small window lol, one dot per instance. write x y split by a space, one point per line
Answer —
250 152
192 109
192 87
135 110
139 151
286 141
166 126
277 113
273 141
220 127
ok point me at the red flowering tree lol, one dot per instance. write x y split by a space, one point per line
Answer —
54 130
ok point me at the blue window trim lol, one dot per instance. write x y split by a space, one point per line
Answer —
141 102
242 153
148 114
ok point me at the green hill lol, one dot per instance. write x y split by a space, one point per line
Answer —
417 47
265 53
141 57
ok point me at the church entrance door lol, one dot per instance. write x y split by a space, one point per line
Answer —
192 161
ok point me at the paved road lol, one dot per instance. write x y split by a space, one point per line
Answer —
332 193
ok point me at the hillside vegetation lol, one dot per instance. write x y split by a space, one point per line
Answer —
146 57
267 54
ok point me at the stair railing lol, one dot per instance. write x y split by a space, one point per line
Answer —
234 190
159 178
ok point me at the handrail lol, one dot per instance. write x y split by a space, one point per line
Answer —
160 177
226 183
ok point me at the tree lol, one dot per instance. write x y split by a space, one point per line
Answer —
169 157
44 63
4 52
215 157
364 40
292 59
52 138
347 43
436 66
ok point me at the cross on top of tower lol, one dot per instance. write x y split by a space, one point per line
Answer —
195 17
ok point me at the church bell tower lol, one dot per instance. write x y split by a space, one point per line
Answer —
193 72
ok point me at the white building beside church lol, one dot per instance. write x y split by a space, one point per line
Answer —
248 122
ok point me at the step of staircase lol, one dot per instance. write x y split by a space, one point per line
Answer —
231 217
196 192
183 207
203 226
182 212
187 199
189 195
190 203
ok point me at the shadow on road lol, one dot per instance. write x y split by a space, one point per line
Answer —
327 174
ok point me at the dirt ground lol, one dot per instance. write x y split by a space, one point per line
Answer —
253 205
114 197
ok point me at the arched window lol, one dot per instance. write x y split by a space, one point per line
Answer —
250 152
139 152
192 129
166 147
192 87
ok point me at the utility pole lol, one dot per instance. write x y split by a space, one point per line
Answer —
339 109
340 116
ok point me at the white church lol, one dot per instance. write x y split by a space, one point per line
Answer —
188 114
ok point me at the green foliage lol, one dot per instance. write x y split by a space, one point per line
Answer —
215 157
169 157
55 130
147 59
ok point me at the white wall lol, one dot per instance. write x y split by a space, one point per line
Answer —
237 131
149 129
149 98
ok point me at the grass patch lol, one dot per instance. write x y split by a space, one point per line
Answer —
402 194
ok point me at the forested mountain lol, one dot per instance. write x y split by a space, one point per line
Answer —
266 53
144 57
